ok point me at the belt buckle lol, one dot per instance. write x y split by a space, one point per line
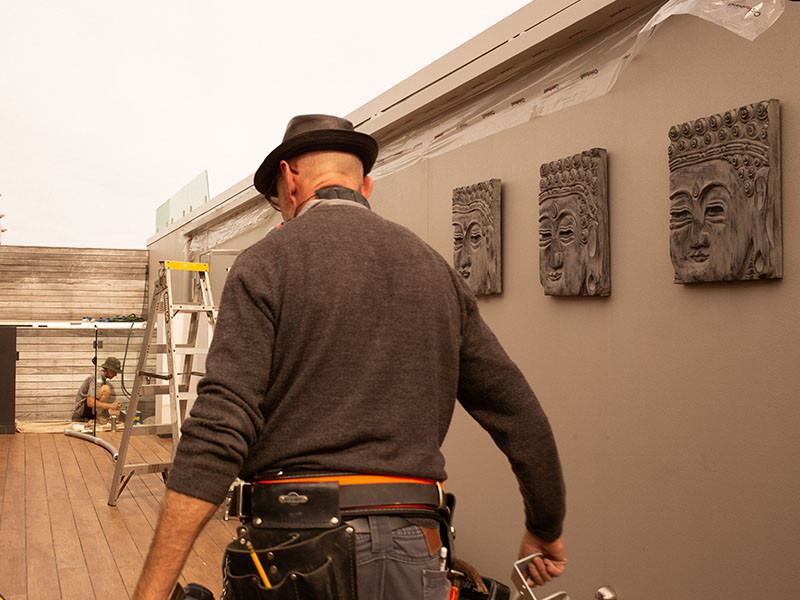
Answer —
235 499
440 489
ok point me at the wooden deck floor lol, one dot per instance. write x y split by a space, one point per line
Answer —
59 539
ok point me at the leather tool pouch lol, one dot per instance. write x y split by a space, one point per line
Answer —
301 545
296 505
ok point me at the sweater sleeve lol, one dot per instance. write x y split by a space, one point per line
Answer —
226 418
495 393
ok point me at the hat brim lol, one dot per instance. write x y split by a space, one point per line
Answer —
354 142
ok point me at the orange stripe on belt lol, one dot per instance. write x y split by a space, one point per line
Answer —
353 480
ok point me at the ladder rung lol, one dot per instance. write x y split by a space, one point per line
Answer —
141 468
155 375
181 349
151 429
192 308
184 350
154 388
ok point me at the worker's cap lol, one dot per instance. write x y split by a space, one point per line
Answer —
112 364
308 133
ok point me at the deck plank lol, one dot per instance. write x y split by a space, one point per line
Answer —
71 568
203 565
93 459
12 523
106 581
39 558
59 539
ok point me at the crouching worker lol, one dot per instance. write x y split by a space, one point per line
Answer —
98 393
342 344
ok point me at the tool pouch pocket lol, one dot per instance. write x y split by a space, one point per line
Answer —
302 563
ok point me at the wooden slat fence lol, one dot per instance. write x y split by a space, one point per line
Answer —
54 361
39 283
61 286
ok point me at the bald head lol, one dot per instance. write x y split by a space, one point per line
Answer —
322 167
302 175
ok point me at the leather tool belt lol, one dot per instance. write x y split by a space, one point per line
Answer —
267 501
307 563
294 528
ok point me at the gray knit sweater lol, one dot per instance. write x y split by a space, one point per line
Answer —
342 343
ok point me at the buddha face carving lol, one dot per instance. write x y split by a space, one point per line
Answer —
710 224
724 196
559 246
573 226
476 236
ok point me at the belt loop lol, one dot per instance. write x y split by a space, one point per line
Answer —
380 529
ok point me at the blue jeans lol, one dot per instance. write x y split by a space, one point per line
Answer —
397 564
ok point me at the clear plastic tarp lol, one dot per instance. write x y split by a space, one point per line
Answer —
210 237
582 72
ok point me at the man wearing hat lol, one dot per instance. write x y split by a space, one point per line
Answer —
342 343
98 393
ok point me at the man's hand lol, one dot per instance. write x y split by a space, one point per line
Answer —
543 568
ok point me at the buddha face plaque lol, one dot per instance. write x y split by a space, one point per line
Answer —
725 196
574 253
476 236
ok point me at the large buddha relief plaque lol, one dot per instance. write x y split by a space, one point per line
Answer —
574 248
476 236
725 196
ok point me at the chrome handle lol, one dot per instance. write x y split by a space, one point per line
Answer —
605 592
519 577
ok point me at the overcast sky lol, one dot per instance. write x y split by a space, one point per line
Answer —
109 107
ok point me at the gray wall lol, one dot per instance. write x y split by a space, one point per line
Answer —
674 406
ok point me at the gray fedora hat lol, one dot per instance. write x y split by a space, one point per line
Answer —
307 133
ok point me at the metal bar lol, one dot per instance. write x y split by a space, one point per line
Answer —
95 440
151 389
164 376
152 429
144 468
174 411
117 483
192 308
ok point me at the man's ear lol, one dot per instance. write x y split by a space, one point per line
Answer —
366 187
288 177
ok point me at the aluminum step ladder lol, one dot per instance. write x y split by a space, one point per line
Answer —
176 384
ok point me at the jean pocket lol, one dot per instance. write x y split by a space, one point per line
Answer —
436 585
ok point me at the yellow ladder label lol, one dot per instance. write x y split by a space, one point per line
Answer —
184 266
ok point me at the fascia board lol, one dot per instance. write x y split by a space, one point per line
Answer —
525 38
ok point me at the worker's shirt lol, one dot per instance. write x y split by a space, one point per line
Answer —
90 387
342 343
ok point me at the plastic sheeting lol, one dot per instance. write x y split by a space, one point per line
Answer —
582 72
211 237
